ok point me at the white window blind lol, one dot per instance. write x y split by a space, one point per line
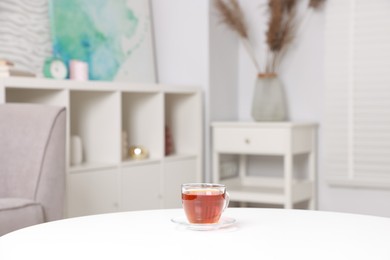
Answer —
357 99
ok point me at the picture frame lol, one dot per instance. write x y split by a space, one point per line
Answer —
113 37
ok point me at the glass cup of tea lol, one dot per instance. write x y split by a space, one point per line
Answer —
204 203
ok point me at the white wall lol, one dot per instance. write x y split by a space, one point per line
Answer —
181 41
223 69
193 48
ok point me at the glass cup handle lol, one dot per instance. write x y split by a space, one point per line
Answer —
227 200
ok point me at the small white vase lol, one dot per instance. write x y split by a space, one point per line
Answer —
76 150
269 99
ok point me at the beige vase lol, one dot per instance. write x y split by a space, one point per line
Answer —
269 99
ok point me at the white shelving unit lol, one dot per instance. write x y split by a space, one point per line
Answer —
282 139
98 112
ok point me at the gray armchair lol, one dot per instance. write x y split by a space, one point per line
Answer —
32 165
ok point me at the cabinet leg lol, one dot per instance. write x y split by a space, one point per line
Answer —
242 166
288 175
313 174
312 203
216 171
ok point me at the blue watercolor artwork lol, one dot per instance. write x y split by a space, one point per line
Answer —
113 37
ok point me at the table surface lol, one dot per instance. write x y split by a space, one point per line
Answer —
257 234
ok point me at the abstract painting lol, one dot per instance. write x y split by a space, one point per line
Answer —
113 37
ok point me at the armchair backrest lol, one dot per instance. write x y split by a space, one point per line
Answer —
32 155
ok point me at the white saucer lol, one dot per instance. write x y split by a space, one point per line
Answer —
222 223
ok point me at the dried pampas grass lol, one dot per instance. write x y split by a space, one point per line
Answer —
233 17
316 4
282 27
281 30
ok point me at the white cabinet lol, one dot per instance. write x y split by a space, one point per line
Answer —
99 112
92 192
283 139
140 187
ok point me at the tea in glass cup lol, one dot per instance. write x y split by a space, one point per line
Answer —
204 203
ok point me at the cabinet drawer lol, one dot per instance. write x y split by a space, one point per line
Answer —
92 192
248 140
140 187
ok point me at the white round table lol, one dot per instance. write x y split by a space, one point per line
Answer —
257 234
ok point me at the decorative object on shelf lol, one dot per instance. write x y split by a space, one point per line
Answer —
25 34
125 145
83 30
76 150
169 148
7 70
138 152
282 27
15 73
269 99
6 63
55 68
78 70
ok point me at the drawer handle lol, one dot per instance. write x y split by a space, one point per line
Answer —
247 141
